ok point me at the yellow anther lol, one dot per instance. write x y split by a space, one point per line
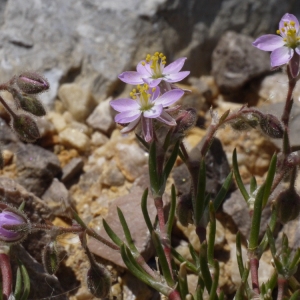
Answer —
164 58
156 53
292 23
163 62
143 63
146 86
278 31
153 90
285 24
134 97
134 90
283 29
161 55
285 39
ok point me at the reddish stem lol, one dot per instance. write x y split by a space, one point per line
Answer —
163 234
6 275
254 264
281 282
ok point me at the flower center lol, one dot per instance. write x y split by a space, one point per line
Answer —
143 97
156 61
289 34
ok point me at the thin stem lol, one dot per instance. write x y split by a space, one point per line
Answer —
254 264
6 275
281 282
163 234
6 106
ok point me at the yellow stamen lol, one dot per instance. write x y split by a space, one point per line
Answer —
283 29
292 23
153 90
143 63
285 39
285 24
161 55
134 90
156 53
278 31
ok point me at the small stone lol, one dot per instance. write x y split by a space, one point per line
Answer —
77 101
57 120
130 160
101 118
7 156
74 138
111 175
99 139
45 126
72 169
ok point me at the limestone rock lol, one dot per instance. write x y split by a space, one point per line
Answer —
72 169
74 138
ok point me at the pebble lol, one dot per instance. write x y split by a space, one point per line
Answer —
74 138
72 169
98 139
111 175
57 120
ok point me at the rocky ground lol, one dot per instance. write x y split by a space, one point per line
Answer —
90 166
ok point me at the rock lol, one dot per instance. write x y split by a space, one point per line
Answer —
36 167
111 175
74 138
57 120
13 193
77 101
6 134
235 61
58 199
101 118
72 169
217 169
98 139
130 206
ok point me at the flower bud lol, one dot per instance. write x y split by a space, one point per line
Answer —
29 103
184 210
186 119
50 258
271 126
98 280
246 122
32 83
25 127
14 226
288 205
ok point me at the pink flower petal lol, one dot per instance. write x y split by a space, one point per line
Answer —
169 97
124 104
268 42
147 128
131 126
175 66
127 116
288 18
154 112
294 65
152 82
154 94
167 119
144 71
297 49
177 76
131 77
281 56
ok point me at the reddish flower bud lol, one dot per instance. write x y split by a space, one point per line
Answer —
25 127
288 205
32 83
14 226
271 126
185 120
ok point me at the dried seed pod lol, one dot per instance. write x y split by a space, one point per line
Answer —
50 258
32 83
271 126
288 205
25 127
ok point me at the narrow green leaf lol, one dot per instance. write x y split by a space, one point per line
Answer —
269 180
239 256
295 260
223 191
238 177
142 141
272 282
271 242
22 205
112 234
221 295
199 200
256 218
171 161
162 259
154 180
214 287
204 266
296 295
18 286
182 281
145 211
279 267
194 255
26 282
224 116
253 185
181 259
169 224
126 230
212 234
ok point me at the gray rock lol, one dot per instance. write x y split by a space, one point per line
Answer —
235 61
91 42
13 193
36 167
72 169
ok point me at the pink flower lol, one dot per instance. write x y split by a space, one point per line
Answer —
285 46
152 71
147 104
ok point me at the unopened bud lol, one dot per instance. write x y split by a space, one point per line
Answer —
98 280
25 127
246 122
288 205
14 226
184 210
29 103
32 83
271 126
186 119
50 258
